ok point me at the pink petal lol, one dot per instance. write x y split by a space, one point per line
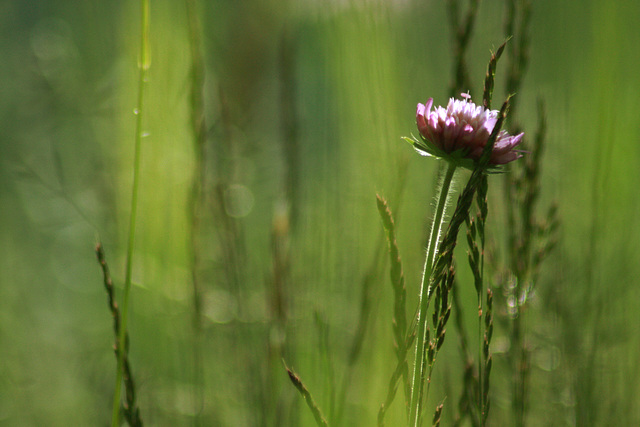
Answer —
421 120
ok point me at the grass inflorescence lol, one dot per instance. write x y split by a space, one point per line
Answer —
397 282
131 410
315 410
402 341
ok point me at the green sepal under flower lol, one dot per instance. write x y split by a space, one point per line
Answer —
458 158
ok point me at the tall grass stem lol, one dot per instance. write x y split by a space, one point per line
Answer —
143 67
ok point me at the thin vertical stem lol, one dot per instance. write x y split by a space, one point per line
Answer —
481 198
143 66
199 133
417 384
480 335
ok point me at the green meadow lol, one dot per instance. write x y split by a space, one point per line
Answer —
267 130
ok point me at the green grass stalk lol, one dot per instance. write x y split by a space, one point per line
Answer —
143 67
417 384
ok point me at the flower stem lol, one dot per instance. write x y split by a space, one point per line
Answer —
480 360
417 384
122 338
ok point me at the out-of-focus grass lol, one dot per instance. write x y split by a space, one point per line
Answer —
67 118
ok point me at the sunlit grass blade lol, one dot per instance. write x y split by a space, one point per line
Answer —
143 68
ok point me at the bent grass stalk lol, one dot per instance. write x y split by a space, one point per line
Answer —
143 67
417 384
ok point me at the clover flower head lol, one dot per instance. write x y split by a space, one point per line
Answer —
460 132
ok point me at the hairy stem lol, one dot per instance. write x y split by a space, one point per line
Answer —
417 384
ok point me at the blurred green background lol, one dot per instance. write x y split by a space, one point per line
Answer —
305 104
